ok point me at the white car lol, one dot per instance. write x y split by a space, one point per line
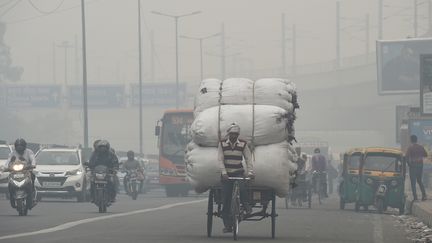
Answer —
60 173
5 151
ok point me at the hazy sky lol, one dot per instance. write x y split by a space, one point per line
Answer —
253 29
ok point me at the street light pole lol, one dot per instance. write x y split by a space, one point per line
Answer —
84 75
140 81
176 18
201 40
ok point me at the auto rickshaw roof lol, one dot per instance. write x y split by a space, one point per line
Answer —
354 150
383 150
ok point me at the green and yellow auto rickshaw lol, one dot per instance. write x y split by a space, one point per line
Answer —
382 179
348 186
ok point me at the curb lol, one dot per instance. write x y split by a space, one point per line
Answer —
421 213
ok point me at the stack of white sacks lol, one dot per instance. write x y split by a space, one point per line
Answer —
265 112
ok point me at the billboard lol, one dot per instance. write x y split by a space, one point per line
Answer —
158 94
426 84
32 96
398 64
99 96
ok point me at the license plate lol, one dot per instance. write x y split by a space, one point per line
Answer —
256 195
51 184
18 176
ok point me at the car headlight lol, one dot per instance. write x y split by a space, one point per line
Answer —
18 167
74 172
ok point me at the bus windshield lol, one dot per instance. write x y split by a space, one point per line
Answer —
176 135
383 162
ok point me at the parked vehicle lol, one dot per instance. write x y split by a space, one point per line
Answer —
61 173
21 187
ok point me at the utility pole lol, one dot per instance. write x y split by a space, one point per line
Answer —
337 35
65 45
223 56
140 79
294 51
415 18
54 62
84 57
76 60
283 46
380 19
430 17
152 56
176 18
367 38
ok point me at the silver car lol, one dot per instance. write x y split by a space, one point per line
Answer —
5 150
60 173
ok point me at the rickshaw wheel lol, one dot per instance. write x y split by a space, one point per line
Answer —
273 217
341 203
235 227
210 214
402 209
357 206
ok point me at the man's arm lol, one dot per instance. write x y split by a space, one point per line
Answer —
249 160
221 160
32 158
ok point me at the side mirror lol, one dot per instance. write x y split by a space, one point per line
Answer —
157 130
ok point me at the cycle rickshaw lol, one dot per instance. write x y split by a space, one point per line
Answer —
259 198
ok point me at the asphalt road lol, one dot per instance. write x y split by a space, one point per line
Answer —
155 218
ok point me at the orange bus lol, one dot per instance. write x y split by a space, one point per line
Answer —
173 136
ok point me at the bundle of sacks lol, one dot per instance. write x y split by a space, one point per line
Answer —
264 110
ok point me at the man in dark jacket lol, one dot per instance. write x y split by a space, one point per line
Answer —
415 155
103 155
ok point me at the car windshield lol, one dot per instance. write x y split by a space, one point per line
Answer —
383 162
57 158
4 152
176 135
354 161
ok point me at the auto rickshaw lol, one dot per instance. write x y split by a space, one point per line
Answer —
348 186
382 179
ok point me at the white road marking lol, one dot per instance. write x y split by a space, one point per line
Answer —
89 220
378 229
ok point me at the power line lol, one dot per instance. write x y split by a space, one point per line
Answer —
43 11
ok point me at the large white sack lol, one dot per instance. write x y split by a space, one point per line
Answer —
241 91
272 167
270 124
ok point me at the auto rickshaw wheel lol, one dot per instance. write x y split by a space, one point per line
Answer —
380 206
341 203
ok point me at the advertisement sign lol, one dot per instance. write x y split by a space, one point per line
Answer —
423 130
426 84
158 94
27 96
100 96
398 64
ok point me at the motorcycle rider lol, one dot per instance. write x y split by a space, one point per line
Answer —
231 152
22 153
103 155
319 164
132 164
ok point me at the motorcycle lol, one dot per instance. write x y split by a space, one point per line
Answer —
132 183
100 179
21 190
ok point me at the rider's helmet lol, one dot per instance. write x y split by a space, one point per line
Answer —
95 143
131 155
103 146
317 151
233 128
20 145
